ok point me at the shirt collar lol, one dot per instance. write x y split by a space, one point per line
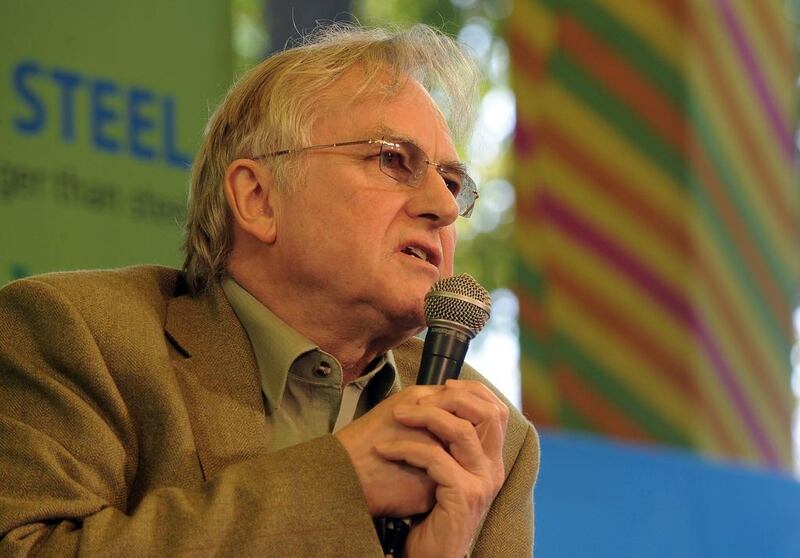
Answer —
277 346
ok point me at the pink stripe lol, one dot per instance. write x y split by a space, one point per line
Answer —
561 216
779 123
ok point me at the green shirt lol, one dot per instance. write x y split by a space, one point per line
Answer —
302 385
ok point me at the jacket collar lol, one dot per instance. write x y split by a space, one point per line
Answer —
218 374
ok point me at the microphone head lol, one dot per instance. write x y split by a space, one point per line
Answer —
459 302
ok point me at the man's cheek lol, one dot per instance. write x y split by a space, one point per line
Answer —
448 239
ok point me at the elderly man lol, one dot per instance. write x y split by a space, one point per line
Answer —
258 402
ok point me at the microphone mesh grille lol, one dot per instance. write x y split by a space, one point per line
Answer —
441 302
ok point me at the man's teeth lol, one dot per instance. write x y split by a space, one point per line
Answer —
414 251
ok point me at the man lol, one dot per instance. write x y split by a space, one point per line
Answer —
257 403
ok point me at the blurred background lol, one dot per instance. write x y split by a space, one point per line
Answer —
637 225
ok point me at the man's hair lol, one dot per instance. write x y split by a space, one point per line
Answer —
275 104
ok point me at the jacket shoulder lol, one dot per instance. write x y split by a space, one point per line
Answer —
139 292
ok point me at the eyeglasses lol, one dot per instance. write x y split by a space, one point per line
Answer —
406 163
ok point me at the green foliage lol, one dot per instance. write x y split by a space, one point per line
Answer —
440 13
250 38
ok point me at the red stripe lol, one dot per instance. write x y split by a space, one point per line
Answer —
675 368
665 363
602 177
775 33
752 150
605 417
652 107
536 413
744 244
525 56
532 315
651 284
624 81
678 10
779 400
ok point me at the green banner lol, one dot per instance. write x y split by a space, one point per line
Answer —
102 105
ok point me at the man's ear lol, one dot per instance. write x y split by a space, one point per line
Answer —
248 189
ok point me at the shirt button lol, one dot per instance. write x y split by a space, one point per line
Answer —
323 370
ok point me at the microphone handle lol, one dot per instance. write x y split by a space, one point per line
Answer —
442 356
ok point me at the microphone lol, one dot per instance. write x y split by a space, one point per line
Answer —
456 309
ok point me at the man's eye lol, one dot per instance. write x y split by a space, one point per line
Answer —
453 183
453 186
393 160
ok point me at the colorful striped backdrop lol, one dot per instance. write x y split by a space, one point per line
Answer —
658 220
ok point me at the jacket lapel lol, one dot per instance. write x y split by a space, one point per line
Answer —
219 377
406 357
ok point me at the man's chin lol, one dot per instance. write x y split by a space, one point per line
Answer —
412 320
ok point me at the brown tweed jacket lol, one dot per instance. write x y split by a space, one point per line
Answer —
132 424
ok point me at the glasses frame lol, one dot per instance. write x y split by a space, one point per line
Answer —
468 188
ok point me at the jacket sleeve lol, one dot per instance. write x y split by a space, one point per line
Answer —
508 529
69 452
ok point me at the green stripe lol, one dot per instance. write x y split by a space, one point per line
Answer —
609 107
733 190
530 279
628 45
626 401
535 349
571 418
606 106
754 297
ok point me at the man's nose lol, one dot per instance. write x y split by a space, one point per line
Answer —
433 200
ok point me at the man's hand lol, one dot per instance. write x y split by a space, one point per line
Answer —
391 488
467 467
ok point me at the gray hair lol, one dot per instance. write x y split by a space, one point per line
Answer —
275 104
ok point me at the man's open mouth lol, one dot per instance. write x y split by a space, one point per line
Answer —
416 252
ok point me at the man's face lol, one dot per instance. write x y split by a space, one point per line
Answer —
349 233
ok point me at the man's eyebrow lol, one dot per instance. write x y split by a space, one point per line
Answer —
383 131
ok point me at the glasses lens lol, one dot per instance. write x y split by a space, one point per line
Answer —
467 196
407 163
403 161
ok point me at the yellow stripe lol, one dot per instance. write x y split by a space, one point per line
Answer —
621 362
708 253
536 23
716 401
756 125
771 421
628 366
602 141
530 243
603 211
780 79
654 25
746 103
538 386
752 185
625 296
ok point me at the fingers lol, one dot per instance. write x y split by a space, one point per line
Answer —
436 462
475 403
471 400
458 434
